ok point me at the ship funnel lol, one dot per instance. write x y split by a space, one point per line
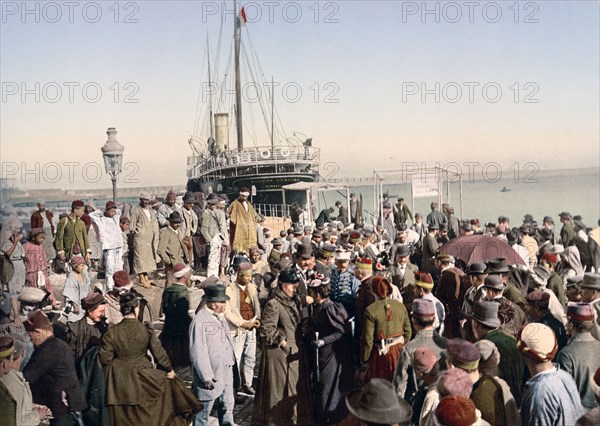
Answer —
222 131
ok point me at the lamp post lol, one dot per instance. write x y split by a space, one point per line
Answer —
112 152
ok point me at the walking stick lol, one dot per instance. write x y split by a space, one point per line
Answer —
317 373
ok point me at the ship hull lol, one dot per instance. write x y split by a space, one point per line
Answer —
267 186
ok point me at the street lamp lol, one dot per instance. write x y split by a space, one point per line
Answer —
112 151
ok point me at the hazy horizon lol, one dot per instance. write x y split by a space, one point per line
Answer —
380 84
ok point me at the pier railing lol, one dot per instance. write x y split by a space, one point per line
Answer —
198 166
273 210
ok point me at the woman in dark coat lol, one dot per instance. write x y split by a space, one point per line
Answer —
334 343
282 394
136 393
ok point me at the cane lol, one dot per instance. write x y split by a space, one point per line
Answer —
317 373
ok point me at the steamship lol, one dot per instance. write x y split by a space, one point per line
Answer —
216 167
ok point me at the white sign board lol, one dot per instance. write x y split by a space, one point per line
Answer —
425 185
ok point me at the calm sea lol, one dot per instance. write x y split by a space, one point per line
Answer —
485 201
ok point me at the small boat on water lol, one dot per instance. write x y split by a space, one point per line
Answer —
218 167
505 189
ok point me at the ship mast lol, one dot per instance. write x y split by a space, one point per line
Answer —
210 99
238 87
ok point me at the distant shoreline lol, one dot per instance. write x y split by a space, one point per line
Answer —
132 191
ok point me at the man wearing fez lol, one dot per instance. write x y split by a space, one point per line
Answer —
385 329
423 290
405 380
42 218
51 373
580 358
242 312
242 223
144 227
108 229
551 395
71 235
213 358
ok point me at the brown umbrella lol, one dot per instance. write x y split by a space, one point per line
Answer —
480 248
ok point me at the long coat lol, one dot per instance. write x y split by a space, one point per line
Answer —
170 247
67 232
405 284
451 292
211 353
282 396
242 226
377 326
145 240
336 369
51 373
137 393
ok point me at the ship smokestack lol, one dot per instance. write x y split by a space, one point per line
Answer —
222 131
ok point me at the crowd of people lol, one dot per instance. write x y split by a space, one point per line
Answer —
332 322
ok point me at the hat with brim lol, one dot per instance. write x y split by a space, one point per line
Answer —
538 342
486 313
215 293
433 226
476 268
377 402
403 250
591 280
494 282
175 217
92 301
304 251
498 265
189 198
342 255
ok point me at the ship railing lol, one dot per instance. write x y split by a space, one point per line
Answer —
272 210
252 156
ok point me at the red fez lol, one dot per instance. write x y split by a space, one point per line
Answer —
364 263
121 279
580 312
456 411
77 204
110 205
551 258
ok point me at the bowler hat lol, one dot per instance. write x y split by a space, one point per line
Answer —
494 282
304 251
175 217
497 265
433 225
276 242
486 313
215 293
189 198
377 402
591 280
574 281
403 250
564 215
476 268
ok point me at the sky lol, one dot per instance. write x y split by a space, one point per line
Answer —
383 83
